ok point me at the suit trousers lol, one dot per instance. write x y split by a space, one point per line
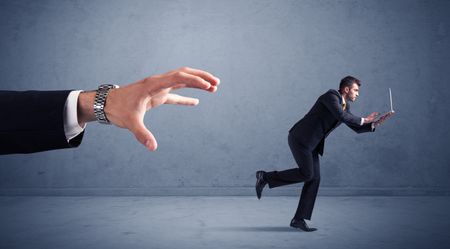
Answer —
308 171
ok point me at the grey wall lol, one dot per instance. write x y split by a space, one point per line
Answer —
274 58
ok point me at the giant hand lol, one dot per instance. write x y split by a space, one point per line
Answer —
126 106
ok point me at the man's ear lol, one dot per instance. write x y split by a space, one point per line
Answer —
346 89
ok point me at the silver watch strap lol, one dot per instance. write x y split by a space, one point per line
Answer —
100 102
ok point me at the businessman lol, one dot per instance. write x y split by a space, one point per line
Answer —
33 121
306 140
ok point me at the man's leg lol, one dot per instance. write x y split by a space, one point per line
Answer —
304 172
309 192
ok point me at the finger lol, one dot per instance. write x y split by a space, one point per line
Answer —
178 86
175 99
143 135
202 74
181 80
212 89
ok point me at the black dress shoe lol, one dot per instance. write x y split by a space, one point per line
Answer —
260 183
301 224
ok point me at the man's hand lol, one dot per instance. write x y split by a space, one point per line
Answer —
371 117
384 118
126 106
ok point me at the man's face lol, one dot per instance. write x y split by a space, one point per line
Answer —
352 92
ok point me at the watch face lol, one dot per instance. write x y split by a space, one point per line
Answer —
106 87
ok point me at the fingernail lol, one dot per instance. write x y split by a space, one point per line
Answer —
218 80
212 89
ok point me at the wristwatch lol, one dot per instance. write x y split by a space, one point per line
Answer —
100 102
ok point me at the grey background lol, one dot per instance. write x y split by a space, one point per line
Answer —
274 59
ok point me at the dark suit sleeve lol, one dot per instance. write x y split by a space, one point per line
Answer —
360 128
333 104
32 121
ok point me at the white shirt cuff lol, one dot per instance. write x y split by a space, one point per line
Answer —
362 121
71 126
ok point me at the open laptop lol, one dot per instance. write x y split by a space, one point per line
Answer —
392 108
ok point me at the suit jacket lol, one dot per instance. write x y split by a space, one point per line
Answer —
32 121
325 115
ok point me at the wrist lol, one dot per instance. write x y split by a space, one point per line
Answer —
100 100
85 112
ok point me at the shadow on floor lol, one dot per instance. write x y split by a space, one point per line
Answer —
256 229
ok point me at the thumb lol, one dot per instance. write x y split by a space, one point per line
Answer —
144 136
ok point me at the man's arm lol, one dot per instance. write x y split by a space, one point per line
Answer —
367 124
363 128
32 121
35 119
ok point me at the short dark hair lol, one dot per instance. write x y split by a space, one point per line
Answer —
348 81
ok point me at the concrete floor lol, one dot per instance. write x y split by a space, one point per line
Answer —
222 222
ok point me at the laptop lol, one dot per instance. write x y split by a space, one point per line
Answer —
392 108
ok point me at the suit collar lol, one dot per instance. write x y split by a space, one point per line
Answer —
337 93
341 99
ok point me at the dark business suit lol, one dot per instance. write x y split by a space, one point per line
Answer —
306 140
32 121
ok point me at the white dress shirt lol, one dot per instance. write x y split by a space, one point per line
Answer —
71 126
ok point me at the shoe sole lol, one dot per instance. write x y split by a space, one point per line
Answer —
298 228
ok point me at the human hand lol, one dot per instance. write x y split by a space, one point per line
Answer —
126 106
371 117
384 118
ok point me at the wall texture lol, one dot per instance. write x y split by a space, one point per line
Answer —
274 58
